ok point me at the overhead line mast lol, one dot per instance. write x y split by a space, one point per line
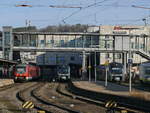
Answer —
142 7
52 6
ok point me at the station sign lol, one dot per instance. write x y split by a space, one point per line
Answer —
117 27
130 61
119 30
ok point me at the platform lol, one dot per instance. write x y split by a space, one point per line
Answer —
112 88
4 82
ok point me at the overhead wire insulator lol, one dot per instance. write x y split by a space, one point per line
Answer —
23 5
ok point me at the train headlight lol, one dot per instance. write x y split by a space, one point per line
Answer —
64 77
117 78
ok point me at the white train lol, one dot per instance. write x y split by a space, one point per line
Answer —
63 72
115 72
144 72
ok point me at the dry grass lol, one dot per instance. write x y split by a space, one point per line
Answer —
140 95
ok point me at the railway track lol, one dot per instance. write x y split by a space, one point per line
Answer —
50 96
3 88
55 98
130 104
8 101
100 103
29 94
25 95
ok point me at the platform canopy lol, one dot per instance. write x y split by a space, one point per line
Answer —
7 62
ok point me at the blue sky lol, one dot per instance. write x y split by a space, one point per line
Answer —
109 12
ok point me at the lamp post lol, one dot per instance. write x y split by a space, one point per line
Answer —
106 65
130 62
106 76
89 68
83 65
95 46
95 68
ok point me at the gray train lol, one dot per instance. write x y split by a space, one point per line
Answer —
115 72
63 73
144 73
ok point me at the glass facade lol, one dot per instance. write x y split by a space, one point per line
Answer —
71 41
80 41
7 38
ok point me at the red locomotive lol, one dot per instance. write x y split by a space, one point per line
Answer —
25 72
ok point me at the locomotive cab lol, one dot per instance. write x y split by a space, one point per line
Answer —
116 71
20 72
25 72
63 72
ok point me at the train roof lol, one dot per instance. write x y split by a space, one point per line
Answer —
145 64
115 64
21 65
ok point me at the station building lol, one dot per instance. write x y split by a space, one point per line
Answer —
137 39
113 43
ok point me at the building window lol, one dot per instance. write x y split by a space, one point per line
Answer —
72 58
7 38
52 41
107 55
119 56
132 55
132 45
108 45
42 41
62 43
106 37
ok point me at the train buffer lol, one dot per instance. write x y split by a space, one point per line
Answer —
40 111
124 111
111 104
28 105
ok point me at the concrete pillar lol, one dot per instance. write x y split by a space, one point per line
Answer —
89 67
83 65
83 41
125 65
21 39
36 36
44 40
75 41
114 48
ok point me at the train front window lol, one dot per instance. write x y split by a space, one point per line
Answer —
20 70
147 71
63 70
116 71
